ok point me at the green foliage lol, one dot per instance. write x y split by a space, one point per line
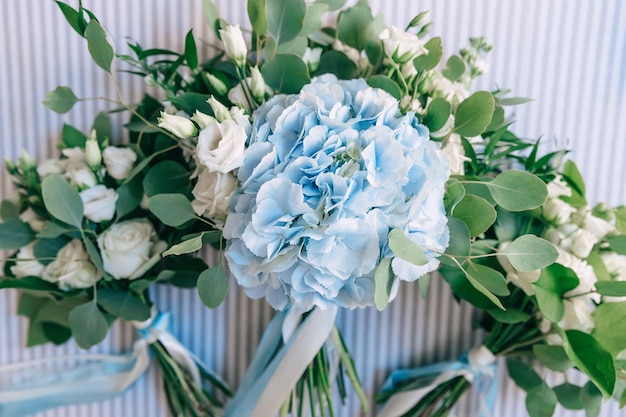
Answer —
62 201
60 100
383 283
88 324
213 286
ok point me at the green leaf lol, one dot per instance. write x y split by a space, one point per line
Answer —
459 245
517 190
333 4
610 326
212 16
335 62
474 114
617 244
541 401
88 324
591 398
488 278
569 396
62 201
383 283
476 213
73 137
429 61
355 26
99 48
437 114
257 16
528 253
124 304
191 53
284 19
523 375
60 100
286 73
455 68
172 209
405 249
591 358
313 18
385 83
611 288
553 357
15 234
166 177
509 315
213 286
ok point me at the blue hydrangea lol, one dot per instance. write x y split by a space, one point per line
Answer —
327 174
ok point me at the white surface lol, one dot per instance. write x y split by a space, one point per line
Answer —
569 56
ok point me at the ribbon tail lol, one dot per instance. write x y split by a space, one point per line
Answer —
263 396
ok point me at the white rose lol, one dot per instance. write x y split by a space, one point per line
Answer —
36 223
453 149
401 46
119 161
72 268
126 247
221 146
212 194
26 264
99 203
557 211
578 314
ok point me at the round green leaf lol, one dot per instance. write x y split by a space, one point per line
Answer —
286 73
474 114
476 213
518 190
60 100
529 253
15 234
88 324
213 286
172 209
62 201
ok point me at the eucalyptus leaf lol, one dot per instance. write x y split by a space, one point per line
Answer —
99 48
405 249
476 213
88 324
60 100
284 19
286 73
171 209
383 283
528 253
591 358
15 234
213 286
62 201
474 114
124 304
517 190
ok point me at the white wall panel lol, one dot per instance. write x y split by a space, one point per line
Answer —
569 56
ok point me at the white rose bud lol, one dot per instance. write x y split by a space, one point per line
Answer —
177 125
99 203
126 246
212 194
221 146
312 57
257 84
93 156
119 162
234 44
219 110
72 268
26 264
401 46
201 119
217 84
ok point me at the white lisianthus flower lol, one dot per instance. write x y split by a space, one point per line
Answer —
234 44
99 203
453 149
221 146
119 162
36 223
401 46
179 126
25 262
312 57
212 194
558 187
557 211
126 247
72 267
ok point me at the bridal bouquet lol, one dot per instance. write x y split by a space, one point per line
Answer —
87 252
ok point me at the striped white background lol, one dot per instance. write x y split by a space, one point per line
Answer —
569 56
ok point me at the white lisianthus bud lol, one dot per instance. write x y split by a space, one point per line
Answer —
119 161
177 125
201 119
217 84
257 85
99 203
312 57
234 44
93 156
219 110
